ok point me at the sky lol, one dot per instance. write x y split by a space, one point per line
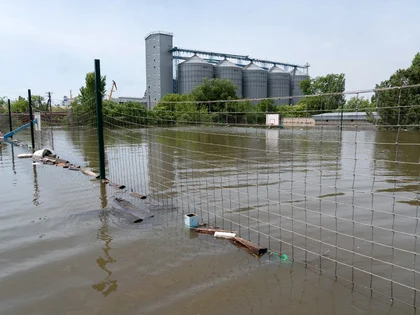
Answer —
49 46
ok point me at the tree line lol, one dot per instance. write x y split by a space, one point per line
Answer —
203 105
20 105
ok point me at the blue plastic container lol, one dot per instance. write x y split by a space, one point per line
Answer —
191 220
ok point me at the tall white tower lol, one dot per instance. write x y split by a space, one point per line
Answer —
159 66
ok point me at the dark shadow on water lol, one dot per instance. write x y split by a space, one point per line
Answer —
35 200
13 160
108 285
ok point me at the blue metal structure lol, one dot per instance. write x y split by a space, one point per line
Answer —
12 133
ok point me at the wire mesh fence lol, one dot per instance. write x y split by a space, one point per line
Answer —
332 184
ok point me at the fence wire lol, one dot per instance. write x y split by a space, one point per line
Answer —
336 189
333 186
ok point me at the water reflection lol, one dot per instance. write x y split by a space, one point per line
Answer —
401 160
13 160
35 200
108 285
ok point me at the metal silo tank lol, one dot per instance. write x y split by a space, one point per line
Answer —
279 85
296 77
192 72
228 70
254 81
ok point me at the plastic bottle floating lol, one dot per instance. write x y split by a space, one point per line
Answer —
282 257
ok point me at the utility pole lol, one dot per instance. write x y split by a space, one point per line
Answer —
49 103
10 116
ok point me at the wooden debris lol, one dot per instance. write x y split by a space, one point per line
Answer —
66 166
137 195
236 240
48 161
253 249
73 168
61 164
55 160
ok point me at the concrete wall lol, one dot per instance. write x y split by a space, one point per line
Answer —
297 121
294 122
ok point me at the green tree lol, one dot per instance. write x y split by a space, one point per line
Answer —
131 112
266 106
38 102
400 106
331 83
358 103
3 105
166 110
298 110
214 90
20 105
86 98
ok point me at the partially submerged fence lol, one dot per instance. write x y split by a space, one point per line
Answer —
340 196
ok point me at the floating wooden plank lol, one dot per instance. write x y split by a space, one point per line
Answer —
74 168
24 155
253 249
137 195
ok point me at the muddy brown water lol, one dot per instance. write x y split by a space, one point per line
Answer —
65 250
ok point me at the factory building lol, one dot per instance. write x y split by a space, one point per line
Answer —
172 69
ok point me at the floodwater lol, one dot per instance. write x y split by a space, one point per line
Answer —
64 249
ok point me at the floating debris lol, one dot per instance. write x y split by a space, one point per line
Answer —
89 172
255 250
282 257
226 235
137 195
24 155
191 220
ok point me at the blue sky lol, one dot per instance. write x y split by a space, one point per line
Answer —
50 45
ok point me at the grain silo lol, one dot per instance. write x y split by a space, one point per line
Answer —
254 81
279 85
296 77
228 70
192 72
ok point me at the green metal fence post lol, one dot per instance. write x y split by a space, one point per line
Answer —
99 119
10 117
31 120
